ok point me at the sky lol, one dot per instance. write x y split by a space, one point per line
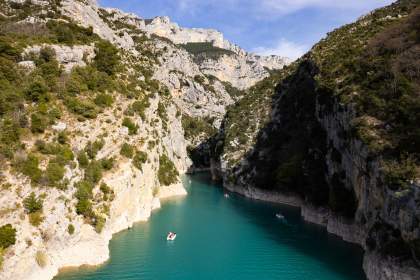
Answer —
282 27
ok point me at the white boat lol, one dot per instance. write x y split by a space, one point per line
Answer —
279 216
171 236
226 195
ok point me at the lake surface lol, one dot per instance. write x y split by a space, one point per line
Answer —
225 238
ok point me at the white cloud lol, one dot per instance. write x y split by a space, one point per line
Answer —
283 48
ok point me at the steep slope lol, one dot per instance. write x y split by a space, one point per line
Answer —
337 133
96 114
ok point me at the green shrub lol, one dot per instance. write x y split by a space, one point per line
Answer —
163 115
92 149
63 153
127 150
93 172
140 107
205 49
82 159
398 174
84 108
139 159
84 189
104 100
1 257
38 123
62 137
99 223
55 173
37 90
194 127
7 236
106 59
167 173
32 204
83 195
107 163
70 33
105 189
9 137
30 168
70 229
36 218
132 127
84 208
108 193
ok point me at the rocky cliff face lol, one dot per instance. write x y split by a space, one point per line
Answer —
317 138
95 134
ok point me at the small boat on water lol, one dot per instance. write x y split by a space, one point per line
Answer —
171 236
280 216
226 195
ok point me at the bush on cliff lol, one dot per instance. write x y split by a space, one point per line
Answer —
167 173
7 236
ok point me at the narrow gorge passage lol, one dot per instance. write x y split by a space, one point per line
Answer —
225 238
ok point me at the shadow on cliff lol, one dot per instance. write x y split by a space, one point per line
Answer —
289 156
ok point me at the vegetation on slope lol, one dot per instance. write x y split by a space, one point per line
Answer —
374 64
205 50
371 65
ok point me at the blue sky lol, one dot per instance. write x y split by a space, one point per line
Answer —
283 27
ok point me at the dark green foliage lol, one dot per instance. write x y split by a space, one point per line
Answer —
84 194
104 100
234 92
70 229
54 173
167 173
140 107
7 236
32 204
82 159
376 64
70 34
106 59
99 223
30 168
93 172
139 159
127 150
163 115
105 189
63 154
37 90
194 127
62 137
9 137
108 193
84 108
398 174
107 163
132 127
205 50
92 149
84 207
7 51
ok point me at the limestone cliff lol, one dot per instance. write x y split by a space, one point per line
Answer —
97 110
332 133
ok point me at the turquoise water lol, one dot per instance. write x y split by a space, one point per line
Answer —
225 238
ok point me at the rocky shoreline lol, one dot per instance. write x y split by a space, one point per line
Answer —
92 249
375 266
